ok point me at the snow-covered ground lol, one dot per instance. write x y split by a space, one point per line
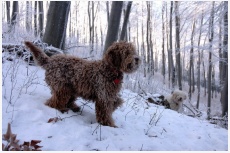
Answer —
141 126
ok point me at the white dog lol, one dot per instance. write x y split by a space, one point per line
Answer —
176 100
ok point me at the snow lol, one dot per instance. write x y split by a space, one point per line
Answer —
141 126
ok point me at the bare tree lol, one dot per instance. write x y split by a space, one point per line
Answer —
211 32
148 35
56 24
178 61
172 69
199 63
126 19
163 41
114 22
28 16
35 18
224 93
41 18
14 16
92 16
8 12
191 62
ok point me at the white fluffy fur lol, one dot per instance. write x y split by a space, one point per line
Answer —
176 100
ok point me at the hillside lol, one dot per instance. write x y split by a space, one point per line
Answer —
141 126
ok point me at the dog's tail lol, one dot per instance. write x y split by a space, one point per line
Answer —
40 57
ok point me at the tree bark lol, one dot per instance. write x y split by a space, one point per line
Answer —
8 12
107 11
57 18
126 19
178 60
191 63
224 93
14 15
41 18
198 64
163 41
35 19
172 70
211 31
114 22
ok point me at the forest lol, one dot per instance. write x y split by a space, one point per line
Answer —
183 44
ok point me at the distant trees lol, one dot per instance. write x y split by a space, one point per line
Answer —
57 18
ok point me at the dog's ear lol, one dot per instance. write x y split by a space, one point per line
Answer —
113 56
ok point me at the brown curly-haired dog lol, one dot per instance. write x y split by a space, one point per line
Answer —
100 81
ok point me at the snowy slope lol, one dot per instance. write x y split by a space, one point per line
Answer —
141 126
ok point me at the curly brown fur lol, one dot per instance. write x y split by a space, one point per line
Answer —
100 81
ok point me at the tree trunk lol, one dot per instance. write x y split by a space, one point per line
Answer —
28 16
126 19
107 10
191 65
172 70
198 64
178 61
114 22
211 31
41 18
224 93
8 12
163 41
57 18
147 36
35 19
14 16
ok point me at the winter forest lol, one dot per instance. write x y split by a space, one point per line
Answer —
182 45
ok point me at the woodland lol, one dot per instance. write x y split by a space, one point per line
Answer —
186 43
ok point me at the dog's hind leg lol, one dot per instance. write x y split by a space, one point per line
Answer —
71 105
59 100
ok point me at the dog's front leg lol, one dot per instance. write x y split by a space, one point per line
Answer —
104 110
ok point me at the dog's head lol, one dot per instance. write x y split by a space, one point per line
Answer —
178 96
122 55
